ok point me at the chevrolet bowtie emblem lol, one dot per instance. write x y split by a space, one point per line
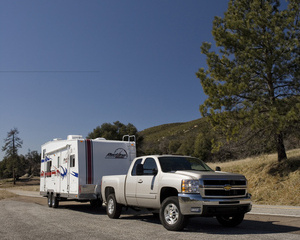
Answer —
227 187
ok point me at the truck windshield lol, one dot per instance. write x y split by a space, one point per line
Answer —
174 163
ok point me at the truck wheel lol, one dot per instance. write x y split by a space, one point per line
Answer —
49 198
230 221
170 215
113 209
54 202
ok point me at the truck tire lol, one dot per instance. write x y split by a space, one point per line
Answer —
230 221
54 201
113 209
49 200
171 216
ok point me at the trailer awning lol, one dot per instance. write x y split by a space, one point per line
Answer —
57 149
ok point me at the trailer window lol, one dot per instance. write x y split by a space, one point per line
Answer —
72 161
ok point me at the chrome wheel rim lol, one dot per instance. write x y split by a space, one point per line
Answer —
171 214
110 206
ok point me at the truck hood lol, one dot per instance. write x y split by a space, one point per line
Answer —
210 175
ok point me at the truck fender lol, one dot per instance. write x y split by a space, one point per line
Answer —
166 192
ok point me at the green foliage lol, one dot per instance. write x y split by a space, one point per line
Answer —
113 131
175 138
12 143
14 165
203 146
30 164
254 80
33 160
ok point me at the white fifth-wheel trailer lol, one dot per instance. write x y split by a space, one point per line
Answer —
72 169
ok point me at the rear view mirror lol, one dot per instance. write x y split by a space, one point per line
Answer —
218 169
154 172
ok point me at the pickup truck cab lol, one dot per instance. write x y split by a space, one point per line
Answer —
177 187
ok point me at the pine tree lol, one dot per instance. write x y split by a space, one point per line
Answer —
254 79
11 146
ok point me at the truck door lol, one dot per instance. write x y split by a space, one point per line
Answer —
147 184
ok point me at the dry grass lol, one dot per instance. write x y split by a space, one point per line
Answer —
27 184
5 194
269 182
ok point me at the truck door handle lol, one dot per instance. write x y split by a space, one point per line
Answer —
140 181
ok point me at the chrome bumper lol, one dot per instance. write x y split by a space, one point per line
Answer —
194 204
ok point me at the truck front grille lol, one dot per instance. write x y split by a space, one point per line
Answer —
224 182
239 192
219 188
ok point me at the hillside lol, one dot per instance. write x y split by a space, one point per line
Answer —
173 138
195 138
269 182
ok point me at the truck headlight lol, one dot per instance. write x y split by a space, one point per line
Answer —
190 186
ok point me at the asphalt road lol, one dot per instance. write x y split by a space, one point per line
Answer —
30 218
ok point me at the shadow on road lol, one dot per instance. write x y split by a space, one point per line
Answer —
82 207
262 225
253 225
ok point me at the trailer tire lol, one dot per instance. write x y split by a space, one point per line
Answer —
230 221
54 201
49 200
113 209
170 215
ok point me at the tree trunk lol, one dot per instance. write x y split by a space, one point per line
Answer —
14 176
280 147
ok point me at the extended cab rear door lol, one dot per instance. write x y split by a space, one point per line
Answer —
131 184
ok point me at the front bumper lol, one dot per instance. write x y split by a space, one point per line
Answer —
194 204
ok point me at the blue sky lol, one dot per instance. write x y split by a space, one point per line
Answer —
67 66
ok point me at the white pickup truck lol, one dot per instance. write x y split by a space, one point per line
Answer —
177 187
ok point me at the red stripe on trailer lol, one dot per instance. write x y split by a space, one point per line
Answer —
89 161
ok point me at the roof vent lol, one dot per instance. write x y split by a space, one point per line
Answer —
99 138
72 137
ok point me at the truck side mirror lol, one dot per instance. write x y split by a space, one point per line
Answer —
218 169
139 169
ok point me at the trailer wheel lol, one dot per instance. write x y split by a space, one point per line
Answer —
49 199
230 221
113 209
54 201
170 215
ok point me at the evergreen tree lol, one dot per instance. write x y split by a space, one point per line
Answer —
11 146
254 79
